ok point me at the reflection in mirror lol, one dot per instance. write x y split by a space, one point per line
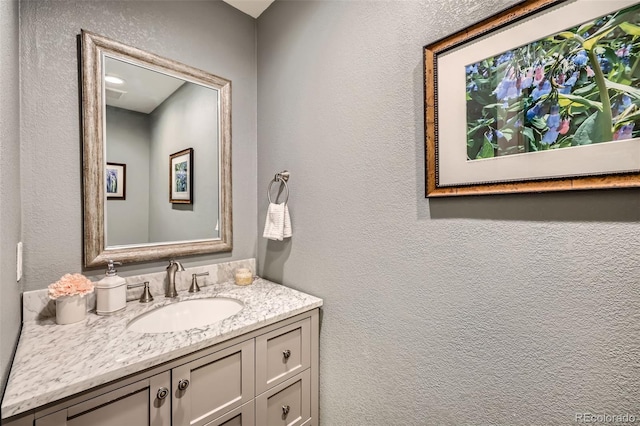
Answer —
156 156
149 116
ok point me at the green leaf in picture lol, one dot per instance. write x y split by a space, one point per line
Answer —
591 41
507 134
631 91
538 123
610 55
584 90
481 98
589 131
630 28
492 106
621 74
577 109
512 150
528 132
565 143
517 106
481 124
487 149
566 100
566 35
628 115
585 27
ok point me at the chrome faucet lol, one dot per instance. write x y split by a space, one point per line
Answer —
174 266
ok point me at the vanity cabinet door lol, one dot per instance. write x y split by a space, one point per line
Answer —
282 353
211 386
140 403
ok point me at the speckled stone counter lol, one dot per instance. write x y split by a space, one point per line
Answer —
55 361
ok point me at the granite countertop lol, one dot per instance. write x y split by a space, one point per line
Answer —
55 361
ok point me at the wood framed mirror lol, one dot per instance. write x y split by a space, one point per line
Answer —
140 109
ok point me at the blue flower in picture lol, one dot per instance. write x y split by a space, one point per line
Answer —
112 181
573 88
581 58
181 176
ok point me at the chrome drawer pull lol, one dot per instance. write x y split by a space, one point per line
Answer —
286 354
183 384
162 393
285 410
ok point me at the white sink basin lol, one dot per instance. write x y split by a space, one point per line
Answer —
185 315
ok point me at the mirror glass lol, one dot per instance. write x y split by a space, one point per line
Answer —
156 155
149 116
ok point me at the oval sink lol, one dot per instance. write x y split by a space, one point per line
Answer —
185 315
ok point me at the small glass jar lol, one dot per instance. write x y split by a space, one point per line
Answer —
243 276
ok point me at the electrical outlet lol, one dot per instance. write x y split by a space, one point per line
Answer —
19 261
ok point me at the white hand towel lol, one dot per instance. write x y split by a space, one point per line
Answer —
286 232
274 224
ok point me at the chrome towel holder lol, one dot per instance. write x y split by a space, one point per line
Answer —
281 177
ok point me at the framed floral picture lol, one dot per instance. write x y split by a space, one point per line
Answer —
542 97
116 181
181 177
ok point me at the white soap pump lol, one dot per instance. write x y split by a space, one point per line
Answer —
111 291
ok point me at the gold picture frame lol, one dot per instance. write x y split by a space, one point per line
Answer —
450 171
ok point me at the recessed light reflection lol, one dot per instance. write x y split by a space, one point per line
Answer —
113 79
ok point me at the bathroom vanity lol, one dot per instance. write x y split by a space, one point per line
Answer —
257 367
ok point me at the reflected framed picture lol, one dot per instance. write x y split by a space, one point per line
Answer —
181 177
116 181
544 96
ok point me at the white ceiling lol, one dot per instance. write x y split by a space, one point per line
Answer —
250 7
143 90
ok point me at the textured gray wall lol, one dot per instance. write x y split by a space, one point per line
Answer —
186 119
520 309
10 209
208 35
129 142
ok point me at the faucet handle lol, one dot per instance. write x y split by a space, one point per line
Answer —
194 282
146 296
111 268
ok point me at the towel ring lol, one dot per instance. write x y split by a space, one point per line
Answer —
280 179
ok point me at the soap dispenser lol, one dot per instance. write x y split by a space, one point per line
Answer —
111 291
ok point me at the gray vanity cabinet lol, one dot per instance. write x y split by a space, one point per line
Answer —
139 403
267 377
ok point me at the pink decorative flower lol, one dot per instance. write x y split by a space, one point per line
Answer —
70 285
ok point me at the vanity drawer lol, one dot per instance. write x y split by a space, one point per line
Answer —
241 416
282 353
287 404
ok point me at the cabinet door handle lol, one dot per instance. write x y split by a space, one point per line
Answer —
286 354
162 393
183 384
285 410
